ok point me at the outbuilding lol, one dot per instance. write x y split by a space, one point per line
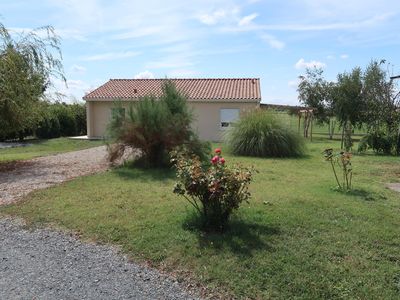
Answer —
216 103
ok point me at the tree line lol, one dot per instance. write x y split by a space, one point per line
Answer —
366 98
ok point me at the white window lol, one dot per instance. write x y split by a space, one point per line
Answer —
228 116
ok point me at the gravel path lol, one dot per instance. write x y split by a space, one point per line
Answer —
20 178
47 264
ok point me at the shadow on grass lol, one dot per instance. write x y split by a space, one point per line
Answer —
304 156
129 172
367 195
363 194
240 237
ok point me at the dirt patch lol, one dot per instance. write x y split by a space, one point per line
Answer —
17 179
12 165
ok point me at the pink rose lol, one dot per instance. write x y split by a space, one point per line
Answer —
215 160
222 160
218 150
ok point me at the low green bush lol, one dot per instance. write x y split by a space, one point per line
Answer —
261 134
379 142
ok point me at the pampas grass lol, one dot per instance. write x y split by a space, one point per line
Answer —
261 134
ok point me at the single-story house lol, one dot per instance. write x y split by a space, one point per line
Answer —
216 103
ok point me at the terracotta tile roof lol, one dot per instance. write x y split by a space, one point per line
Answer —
195 89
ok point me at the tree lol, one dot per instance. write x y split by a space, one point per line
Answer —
380 98
348 103
382 113
315 92
27 64
359 98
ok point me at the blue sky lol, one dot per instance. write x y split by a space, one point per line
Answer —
273 40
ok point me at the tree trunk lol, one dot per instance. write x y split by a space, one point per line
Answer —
329 130
306 124
331 127
341 144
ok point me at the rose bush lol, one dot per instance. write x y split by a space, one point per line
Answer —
214 190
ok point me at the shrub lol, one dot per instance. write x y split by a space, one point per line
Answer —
79 113
260 134
49 127
214 190
379 142
155 127
61 119
66 118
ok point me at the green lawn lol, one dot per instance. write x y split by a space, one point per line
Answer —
45 147
297 239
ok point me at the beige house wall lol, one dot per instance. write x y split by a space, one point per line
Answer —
207 121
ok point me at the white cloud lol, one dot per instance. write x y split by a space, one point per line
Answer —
76 84
213 18
78 69
344 56
226 15
247 20
302 64
273 42
111 56
324 26
74 89
144 75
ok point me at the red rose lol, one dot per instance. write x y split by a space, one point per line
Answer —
215 160
218 150
222 160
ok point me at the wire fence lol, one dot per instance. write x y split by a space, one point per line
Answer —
292 121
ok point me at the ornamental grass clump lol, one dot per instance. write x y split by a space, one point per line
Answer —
214 189
261 134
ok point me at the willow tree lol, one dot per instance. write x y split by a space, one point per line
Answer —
28 62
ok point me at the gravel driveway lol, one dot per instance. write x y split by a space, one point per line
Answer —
20 178
47 264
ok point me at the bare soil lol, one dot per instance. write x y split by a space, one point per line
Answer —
394 186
